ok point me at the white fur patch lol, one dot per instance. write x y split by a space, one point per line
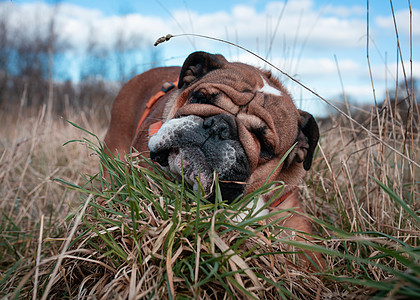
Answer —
166 133
258 206
268 89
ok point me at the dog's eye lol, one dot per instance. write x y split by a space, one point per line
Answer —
198 97
266 150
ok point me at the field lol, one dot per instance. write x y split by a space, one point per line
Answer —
62 236
32 155
66 232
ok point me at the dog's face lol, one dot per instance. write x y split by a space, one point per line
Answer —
234 120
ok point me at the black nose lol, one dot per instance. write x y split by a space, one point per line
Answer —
221 126
160 157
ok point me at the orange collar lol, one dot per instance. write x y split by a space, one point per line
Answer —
282 198
153 128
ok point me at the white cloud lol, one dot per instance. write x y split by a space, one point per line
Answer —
306 39
344 11
392 72
300 24
34 18
402 18
74 23
307 67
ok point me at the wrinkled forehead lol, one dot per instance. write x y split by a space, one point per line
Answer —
258 103
244 78
242 83
233 88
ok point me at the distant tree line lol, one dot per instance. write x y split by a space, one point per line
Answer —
37 65
401 107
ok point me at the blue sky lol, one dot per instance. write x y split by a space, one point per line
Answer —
312 38
151 7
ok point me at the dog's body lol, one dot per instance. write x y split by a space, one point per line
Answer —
228 118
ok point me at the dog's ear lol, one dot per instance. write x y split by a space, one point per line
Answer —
197 65
307 140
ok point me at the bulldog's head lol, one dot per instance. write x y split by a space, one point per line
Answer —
234 120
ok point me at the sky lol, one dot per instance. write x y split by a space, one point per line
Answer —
320 43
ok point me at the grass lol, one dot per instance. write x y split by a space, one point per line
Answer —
144 222
31 156
66 232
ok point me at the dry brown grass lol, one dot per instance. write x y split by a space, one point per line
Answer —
51 248
339 191
342 190
31 156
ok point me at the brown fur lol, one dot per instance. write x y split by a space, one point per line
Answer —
237 87
129 106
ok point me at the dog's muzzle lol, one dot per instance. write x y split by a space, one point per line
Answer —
196 148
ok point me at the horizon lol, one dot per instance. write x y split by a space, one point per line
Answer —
319 43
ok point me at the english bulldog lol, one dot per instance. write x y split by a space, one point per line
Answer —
214 116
